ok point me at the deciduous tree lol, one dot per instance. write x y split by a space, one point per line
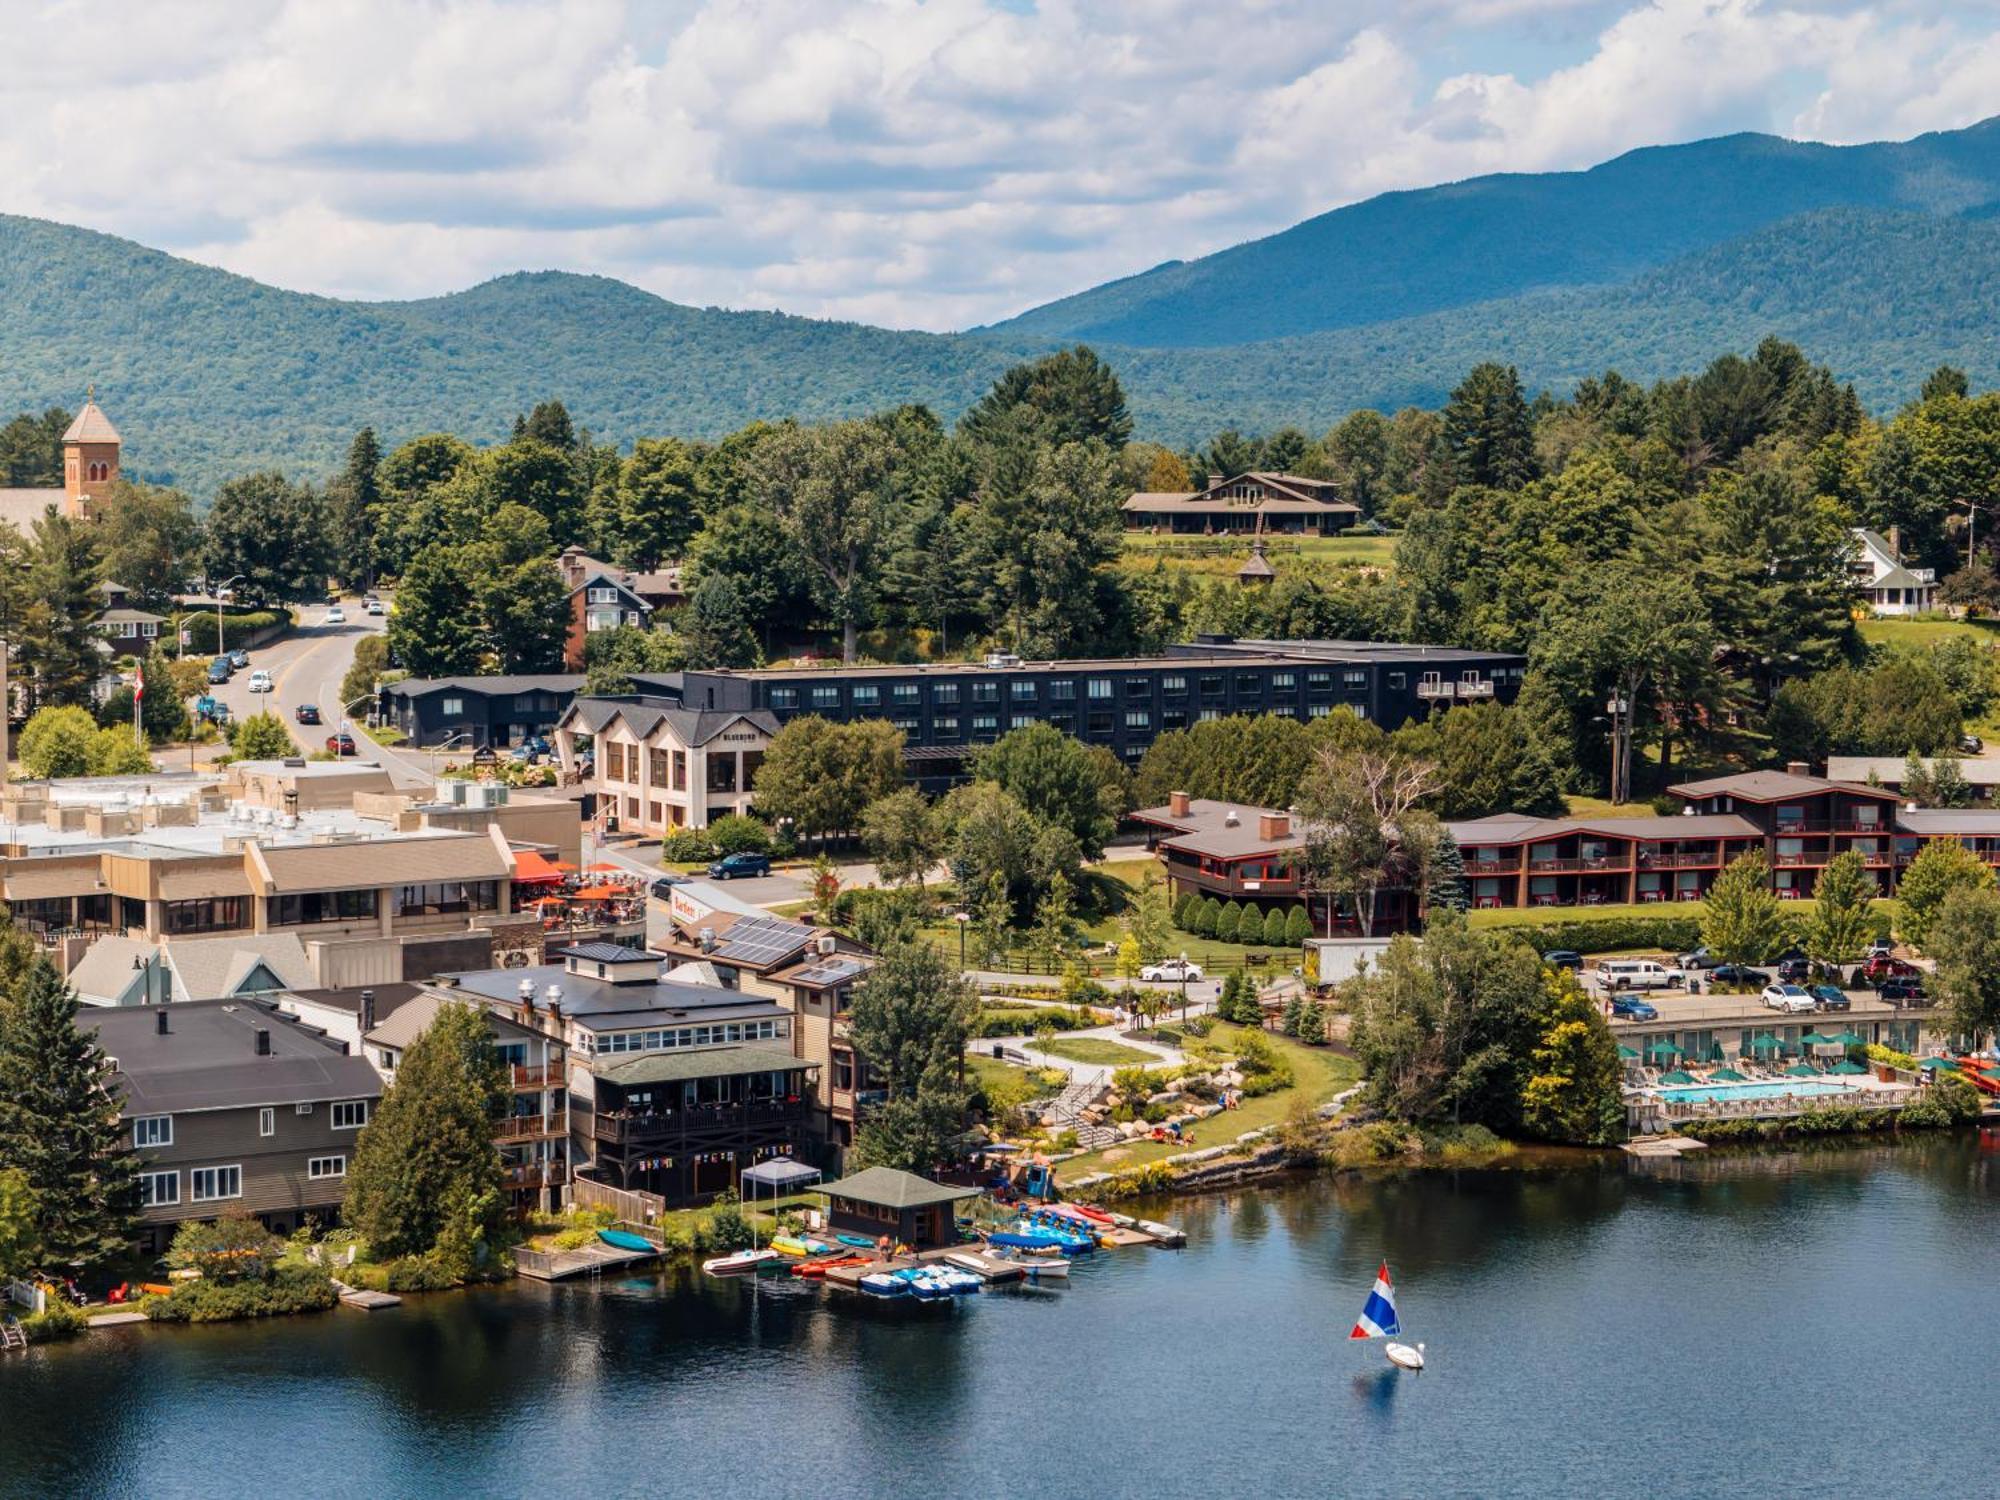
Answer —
1941 867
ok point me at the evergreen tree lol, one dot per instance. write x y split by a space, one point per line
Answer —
425 1162
1184 905
1949 788
1842 920
1446 891
910 1021
354 500
1916 786
1274 928
1152 923
1489 430
1227 920
54 643
59 1123
433 632
1208 918
1070 396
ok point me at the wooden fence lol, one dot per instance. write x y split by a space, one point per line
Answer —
631 1207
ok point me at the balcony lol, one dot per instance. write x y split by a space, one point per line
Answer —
1477 867
536 1175
542 1076
1475 690
1437 689
621 1129
531 1128
1685 860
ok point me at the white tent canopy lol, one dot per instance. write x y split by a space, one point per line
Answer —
780 1174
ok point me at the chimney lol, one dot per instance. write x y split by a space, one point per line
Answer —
1177 804
528 996
367 1011
1274 825
553 995
1896 543
160 1021
263 1041
1797 768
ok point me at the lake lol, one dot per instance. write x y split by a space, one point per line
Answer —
1812 1323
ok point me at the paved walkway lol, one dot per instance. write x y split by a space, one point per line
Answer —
1164 1056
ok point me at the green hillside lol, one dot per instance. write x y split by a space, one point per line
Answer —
209 374
1405 254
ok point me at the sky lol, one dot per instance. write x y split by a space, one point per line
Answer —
922 165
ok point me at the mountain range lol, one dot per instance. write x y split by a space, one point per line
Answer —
1883 261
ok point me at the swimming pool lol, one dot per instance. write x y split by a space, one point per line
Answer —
1711 1093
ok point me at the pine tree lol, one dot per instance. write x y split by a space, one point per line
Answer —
59 1123
1207 915
426 1161
1184 907
1446 891
1916 786
1949 788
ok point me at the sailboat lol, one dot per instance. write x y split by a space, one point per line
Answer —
1378 1320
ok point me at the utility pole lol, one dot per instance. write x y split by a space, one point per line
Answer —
6 708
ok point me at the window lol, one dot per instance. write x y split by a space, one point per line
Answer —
440 898
159 1189
1249 684
826 697
784 697
602 596
1174 686
904 693
1355 677
210 1183
945 728
908 723
451 705
1021 721
302 1109
152 1130
1284 682
1097 724
1396 679
350 1114
215 914
657 770
843 1071
1138 687
1099 690
722 771
1319 682
1023 690
1138 718
267 1121
321 906
944 693
1174 718
1209 687
1063 690
326 1166
985 724
867 695
680 771
986 692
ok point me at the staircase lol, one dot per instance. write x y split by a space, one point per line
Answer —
11 1336
1066 1111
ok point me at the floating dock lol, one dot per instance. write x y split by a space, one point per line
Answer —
1662 1147
116 1319
587 1260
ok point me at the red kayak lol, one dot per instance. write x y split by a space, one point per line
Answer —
821 1267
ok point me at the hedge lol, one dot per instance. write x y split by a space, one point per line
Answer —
236 628
289 1289
1022 1020
59 1323
1612 935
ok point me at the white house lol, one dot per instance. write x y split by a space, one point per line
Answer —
1889 587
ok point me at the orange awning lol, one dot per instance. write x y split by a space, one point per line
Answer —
605 867
533 868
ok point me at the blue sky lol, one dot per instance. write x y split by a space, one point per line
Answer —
917 163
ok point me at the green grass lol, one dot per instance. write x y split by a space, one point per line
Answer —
1096 1051
1928 630
1221 556
1318 1074
1540 916
1604 807
1007 1085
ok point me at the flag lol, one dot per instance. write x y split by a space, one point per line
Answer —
139 683
1378 1315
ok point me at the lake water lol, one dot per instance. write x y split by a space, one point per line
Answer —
1818 1323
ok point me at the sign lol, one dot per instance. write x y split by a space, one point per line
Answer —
484 756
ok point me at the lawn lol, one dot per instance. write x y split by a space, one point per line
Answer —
1007 1086
1928 630
1221 556
1318 1072
1096 1051
1604 807
1539 916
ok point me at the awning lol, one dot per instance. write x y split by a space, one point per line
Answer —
531 867
779 1173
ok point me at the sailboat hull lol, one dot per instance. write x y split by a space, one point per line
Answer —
1404 1357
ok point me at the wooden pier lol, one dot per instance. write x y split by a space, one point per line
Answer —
587 1260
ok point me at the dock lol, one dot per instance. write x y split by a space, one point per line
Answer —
367 1301
116 1320
1662 1147
587 1260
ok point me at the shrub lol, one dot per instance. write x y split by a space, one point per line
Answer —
686 846
1184 910
1274 928
1019 1020
1138 1182
1298 927
1207 915
1878 1053
61 1322
238 626
1229 922
1612 934
288 1289
734 833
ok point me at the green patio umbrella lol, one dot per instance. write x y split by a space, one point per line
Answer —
1727 1075
1814 1039
1677 1076
1659 1046
1938 1062
1761 1046
1849 1039
1626 1052
1800 1070
1850 1069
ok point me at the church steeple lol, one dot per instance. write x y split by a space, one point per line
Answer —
90 457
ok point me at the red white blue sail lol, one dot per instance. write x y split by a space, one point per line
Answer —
1378 1316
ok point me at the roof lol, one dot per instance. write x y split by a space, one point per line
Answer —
1206 828
122 616
387 997
761 941
780 1172
607 577
600 1005
548 682
607 953
198 969
885 1187
1978 770
1519 828
1288 493
693 727
1962 822
702 1062
827 972
1771 786
400 1026
533 867
91 426
1256 565
209 1060
378 862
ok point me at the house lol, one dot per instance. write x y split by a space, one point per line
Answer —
908 1209
690 742
469 713
1255 502
672 1088
130 631
1513 860
1889 587
233 1108
91 447
1243 854
1803 821
1981 773
136 971
601 601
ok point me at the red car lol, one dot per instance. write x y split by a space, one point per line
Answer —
340 744
1883 966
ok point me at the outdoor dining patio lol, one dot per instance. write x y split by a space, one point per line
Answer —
568 898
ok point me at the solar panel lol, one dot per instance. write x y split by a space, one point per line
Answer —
762 940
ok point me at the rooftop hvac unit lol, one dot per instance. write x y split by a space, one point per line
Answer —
828 943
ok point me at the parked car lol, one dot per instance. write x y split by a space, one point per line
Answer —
1563 958
1790 998
1171 970
1794 970
1971 744
739 866
1634 1009
1901 991
1881 947
1739 975
1636 974
663 888
260 681
335 615
1700 958
1883 966
306 713
239 658
218 670
340 744
1830 997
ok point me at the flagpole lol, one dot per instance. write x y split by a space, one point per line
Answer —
138 698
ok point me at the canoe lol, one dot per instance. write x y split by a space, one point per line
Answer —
791 1244
740 1262
821 1267
624 1239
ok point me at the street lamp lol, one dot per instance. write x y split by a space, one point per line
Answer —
962 918
1183 985
219 590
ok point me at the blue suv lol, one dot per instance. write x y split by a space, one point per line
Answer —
739 866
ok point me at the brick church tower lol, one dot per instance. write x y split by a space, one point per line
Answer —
90 458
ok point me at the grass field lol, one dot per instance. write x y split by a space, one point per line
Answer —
1221 556
1604 807
1096 1051
1318 1074
1928 630
1539 916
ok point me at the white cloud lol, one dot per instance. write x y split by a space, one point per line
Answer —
928 164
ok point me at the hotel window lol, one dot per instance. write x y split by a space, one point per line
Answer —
1396 680
904 693
826 697
1313 710
350 1114
680 771
1022 721
1138 687
908 723
1099 690
866 695
1063 690
1174 718
655 813
159 1189
985 724
216 914
1065 722
1215 713
944 693
1209 687
1284 682
1098 724
945 728
1023 690
307 907
1138 718
784 697
1249 684
152 1130
657 768
1355 678
1319 682
986 692
267 1122
211 1183
1174 686
326 1166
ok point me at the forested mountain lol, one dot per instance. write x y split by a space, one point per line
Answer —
1404 254
211 375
